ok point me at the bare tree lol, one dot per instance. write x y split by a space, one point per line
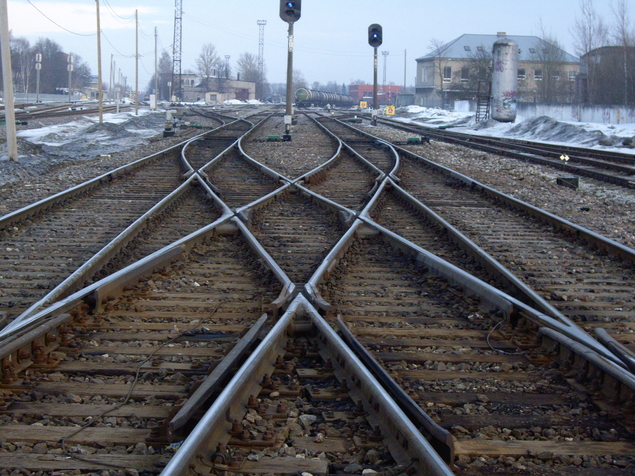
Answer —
247 65
479 65
438 48
298 79
23 61
624 37
550 59
81 72
589 33
206 63
165 75
332 87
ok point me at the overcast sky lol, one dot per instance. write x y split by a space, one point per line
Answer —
330 38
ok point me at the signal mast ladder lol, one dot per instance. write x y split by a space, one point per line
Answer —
482 100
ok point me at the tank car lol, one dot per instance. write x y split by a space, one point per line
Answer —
308 97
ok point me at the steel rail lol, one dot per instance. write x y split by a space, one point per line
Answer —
525 292
377 140
612 247
440 439
97 293
109 176
492 298
556 319
76 279
192 141
404 440
534 153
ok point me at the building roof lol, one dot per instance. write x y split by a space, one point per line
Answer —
467 46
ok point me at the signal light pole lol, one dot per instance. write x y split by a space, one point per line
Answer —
375 40
7 80
290 13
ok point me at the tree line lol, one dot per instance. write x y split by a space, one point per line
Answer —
607 62
608 54
54 67
213 72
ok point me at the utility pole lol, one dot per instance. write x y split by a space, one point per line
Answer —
38 67
69 67
136 65
99 78
7 79
404 71
111 78
385 55
261 58
176 50
156 71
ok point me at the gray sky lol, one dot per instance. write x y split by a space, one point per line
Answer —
330 37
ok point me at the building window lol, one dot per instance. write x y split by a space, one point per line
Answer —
532 51
467 48
537 75
480 49
572 75
521 73
447 74
465 74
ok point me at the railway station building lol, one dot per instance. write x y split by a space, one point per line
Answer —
216 90
458 70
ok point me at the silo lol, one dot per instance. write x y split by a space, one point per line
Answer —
504 80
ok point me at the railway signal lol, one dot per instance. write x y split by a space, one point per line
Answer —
375 39
290 11
375 35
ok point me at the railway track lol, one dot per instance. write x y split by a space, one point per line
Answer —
104 392
72 172
44 244
513 399
373 149
238 317
53 238
585 278
608 166
63 110
307 150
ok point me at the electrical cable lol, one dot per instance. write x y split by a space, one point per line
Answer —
115 14
129 394
57 24
498 350
114 48
144 67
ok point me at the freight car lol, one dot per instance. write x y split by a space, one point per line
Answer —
308 97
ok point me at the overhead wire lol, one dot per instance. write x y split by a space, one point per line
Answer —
91 420
57 24
144 67
114 48
115 15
